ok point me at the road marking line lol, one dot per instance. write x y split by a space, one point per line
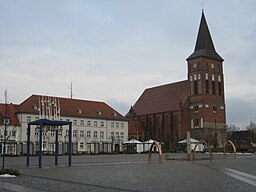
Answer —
241 176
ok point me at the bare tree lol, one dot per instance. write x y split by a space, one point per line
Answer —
251 127
5 129
233 127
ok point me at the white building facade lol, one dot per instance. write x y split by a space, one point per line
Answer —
96 127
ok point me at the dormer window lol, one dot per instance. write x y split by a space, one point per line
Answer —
114 114
79 110
34 106
98 112
6 121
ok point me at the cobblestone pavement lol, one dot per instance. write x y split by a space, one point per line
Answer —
134 173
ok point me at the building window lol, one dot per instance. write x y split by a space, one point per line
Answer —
112 134
212 65
95 134
195 77
220 88
67 132
88 123
213 87
112 125
75 122
95 124
196 109
28 119
82 122
14 133
81 133
214 109
81 145
102 135
88 134
60 132
117 135
52 133
195 88
6 121
98 112
206 86
117 125
122 135
122 125
74 133
102 124
196 123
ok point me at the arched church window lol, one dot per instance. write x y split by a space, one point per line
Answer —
213 78
219 79
195 77
199 76
206 76
198 66
191 78
219 68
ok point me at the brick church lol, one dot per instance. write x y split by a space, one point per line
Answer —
165 113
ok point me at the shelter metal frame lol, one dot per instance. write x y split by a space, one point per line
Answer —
46 122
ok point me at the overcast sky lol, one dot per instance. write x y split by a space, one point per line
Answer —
111 50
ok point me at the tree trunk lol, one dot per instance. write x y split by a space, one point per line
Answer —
3 162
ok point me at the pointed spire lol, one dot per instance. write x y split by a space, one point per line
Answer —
204 44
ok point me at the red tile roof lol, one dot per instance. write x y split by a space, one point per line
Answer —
11 109
73 108
162 98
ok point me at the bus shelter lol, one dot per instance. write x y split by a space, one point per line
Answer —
54 123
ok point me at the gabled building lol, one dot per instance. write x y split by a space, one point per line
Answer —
10 130
196 104
96 127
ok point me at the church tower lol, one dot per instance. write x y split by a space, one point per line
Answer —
206 83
